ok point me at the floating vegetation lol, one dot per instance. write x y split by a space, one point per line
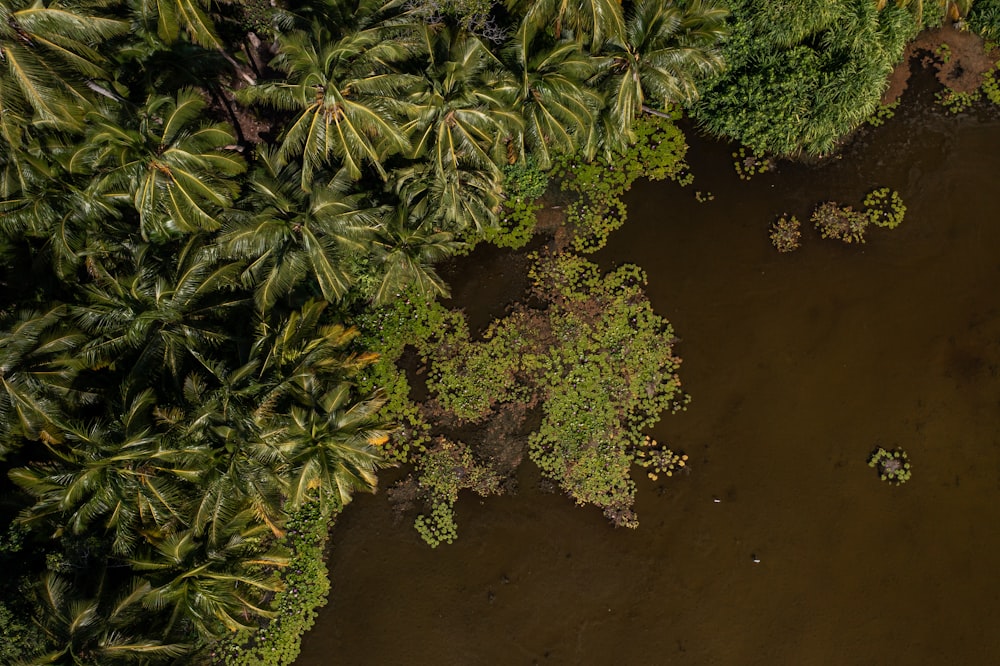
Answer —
786 234
893 466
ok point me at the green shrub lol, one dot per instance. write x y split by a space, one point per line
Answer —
984 18
803 75
524 183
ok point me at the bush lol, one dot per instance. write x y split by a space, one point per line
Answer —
803 75
984 18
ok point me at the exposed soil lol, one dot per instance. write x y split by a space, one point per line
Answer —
961 70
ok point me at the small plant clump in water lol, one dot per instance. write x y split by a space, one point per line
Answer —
663 461
893 466
884 208
882 113
840 222
749 165
703 197
786 234
991 87
957 102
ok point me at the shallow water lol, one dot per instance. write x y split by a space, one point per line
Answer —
799 365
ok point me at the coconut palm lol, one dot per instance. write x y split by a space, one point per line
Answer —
343 93
589 21
114 477
404 251
667 48
175 169
37 373
214 588
457 121
330 445
151 320
292 238
453 200
168 18
236 471
48 53
546 84
87 631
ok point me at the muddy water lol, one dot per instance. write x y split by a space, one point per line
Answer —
798 365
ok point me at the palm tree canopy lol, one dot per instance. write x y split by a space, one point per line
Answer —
174 169
345 96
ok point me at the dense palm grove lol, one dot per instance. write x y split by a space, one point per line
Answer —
194 198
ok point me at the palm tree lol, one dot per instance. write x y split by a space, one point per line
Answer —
213 587
456 120
172 16
175 170
546 84
455 200
344 96
666 49
95 630
331 446
404 251
291 237
154 319
37 373
48 53
589 21
116 476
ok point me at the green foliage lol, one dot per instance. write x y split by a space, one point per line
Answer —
956 102
305 589
658 153
442 472
801 76
607 379
439 526
943 52
840 222
524 183
386 331
991 86
882 113
885 208
984 18
786 234
748 166
20 637
893 466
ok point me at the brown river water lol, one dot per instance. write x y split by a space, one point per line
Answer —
798 365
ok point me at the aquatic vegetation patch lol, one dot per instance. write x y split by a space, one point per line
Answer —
885 208
842 223
586 354
893 466
657 153
786 233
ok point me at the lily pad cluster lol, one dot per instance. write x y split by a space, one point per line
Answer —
893 466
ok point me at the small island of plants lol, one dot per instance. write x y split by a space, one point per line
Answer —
893 466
